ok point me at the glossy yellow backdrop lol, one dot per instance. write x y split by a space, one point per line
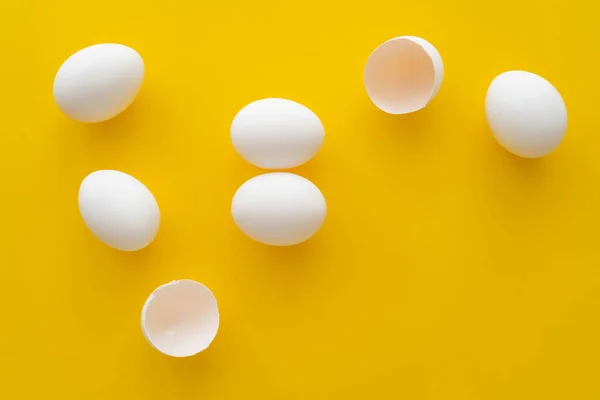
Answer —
446 268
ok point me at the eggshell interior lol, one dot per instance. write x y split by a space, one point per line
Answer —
403 74
181 318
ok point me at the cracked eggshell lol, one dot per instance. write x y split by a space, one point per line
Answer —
527 115
403 74
279 209
119 210
98 82
277 133
180 318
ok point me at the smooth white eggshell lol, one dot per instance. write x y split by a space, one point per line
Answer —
403 74
119 209
98 82
180 318
526 114
277 133
279 208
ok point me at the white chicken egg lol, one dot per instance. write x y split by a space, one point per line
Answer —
119 210
526 114
98 82
277 133
279 208
180 318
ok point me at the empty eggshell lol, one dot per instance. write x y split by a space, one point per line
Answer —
277 133
180 318
119 210
526 114
403 74
279 208
98 82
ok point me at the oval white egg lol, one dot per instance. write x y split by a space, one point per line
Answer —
279 208
277 133
98 82
403 74
180 318
119 210
526 114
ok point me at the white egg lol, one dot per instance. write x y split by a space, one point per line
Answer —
181 318
98 82
279 208
277 133
526 114
403 74
119 210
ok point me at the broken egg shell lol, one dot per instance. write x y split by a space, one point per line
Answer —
180 318
403 74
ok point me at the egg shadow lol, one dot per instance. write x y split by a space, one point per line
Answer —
198 373
120 272
403 129
511 198
526 174
187 374
287 273
112 143
399 143
188 369
123 128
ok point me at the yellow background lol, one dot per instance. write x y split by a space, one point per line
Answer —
446 268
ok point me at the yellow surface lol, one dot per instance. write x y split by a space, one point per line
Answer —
446 269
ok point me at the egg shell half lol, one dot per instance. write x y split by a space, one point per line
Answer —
98 82
527 115
279 208
277 133
403 74
119 210
180 318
